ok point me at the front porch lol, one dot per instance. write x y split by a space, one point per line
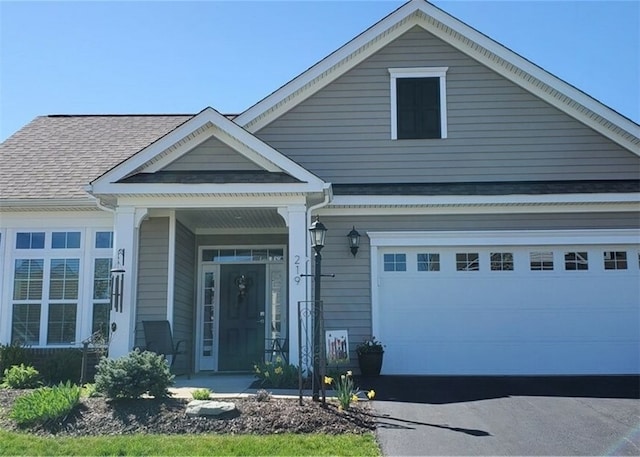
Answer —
227 279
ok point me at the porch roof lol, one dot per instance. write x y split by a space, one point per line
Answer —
211 177
492 188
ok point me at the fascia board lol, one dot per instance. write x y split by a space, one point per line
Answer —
249 117
561 91
466 39
550 208
444 200
271 159
505 237
218 201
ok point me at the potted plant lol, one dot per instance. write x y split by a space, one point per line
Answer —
370 353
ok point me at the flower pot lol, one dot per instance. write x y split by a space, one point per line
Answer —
370 363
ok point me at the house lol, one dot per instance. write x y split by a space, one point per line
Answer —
498 209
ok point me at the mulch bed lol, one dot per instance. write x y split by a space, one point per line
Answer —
99 416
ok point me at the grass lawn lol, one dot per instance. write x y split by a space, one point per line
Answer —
288 444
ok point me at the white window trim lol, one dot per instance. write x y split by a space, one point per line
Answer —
419 72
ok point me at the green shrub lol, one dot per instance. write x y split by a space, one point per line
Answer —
21 377
89 390
277 374
45 404
133 375
13 354
201 394
61 366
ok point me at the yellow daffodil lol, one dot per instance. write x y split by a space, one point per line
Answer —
354 397
371 394
266 374
349 373
278 370
278 359
342 377
328 380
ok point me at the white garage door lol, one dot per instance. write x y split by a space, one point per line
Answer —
508 309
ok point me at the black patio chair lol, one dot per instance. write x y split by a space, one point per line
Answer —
159 339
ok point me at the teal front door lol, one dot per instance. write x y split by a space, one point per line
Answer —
242 316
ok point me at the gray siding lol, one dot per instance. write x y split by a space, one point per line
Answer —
347 297
497 130
212 155
153 267
184 293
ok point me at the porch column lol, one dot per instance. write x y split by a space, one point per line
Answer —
127 221
297 223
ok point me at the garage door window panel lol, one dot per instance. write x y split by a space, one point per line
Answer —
428 262
615 260
574 261
395 262
467 261
541 261
501 261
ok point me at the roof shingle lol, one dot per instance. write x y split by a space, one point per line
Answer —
87 145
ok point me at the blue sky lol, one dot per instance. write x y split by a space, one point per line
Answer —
179 57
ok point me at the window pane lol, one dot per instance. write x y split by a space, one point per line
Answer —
59 240
73 240
37 240
501 261
395 262
25 324
100 321
467 261
540 261
30 240
576 261
27 283
23 240
428 262
615 260
209 255
418 107
101 277
62 323
104 240
65 240
63 283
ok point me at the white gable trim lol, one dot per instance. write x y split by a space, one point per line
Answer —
193 132
464 38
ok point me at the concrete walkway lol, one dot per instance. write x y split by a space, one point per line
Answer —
224 386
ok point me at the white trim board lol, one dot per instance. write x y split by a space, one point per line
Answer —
503 237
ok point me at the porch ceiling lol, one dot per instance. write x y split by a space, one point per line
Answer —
231 218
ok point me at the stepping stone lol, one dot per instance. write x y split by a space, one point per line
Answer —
209 407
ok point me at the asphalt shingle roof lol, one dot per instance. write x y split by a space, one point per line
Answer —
87 146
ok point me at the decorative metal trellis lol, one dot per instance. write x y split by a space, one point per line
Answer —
308 325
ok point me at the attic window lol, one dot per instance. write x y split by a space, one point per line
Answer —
418 103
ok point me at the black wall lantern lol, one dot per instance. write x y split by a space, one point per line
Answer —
117 282
354 240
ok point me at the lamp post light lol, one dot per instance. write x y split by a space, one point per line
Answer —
318 233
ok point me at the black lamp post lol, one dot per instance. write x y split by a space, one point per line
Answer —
318 232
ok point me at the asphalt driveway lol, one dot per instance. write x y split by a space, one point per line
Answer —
507 415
